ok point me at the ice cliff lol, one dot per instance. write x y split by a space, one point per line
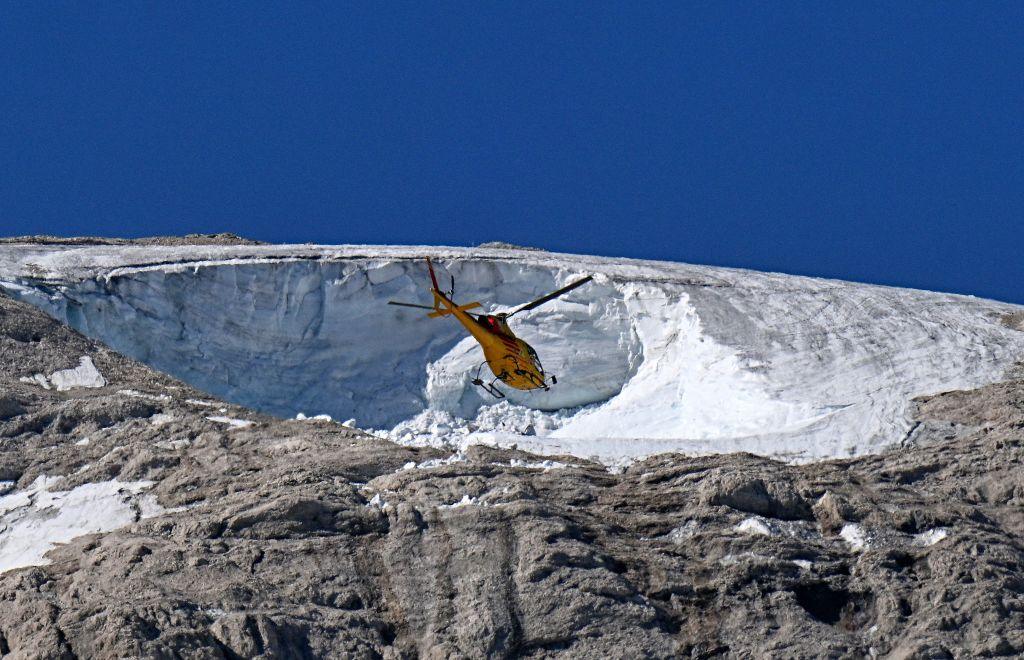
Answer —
650 357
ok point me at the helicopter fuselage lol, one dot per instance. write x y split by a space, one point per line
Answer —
512 360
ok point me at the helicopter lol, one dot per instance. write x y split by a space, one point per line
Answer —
511 360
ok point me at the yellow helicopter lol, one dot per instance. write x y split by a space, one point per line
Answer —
512 360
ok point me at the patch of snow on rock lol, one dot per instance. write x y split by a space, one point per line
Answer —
161 419
35 519
855 536
465 501
231 421
930 537
537 465
135 394
435 462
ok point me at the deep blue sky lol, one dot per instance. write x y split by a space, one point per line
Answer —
879 142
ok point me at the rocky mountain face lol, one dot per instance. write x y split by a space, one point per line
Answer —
225 533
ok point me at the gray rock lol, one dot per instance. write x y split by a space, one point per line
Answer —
297 539
832 512
10 407
742 491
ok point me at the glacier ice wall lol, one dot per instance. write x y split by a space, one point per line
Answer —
319 337
650 357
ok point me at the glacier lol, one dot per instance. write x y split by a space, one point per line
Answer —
651 356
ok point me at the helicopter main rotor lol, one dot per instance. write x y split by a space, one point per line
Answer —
549 297
503 315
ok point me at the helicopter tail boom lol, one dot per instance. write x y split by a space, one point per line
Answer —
443 305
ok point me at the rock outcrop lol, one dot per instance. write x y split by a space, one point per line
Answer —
270 538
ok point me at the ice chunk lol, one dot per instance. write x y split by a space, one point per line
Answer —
84 375
36 379
314 418
755 526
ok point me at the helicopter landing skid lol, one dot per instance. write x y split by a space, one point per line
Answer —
490 388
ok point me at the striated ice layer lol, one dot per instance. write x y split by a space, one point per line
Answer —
650 357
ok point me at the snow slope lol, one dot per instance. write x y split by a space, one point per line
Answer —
650 357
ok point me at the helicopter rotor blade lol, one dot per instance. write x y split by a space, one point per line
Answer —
551 296
405 304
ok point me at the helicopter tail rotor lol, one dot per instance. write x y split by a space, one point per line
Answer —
443 306
443 303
